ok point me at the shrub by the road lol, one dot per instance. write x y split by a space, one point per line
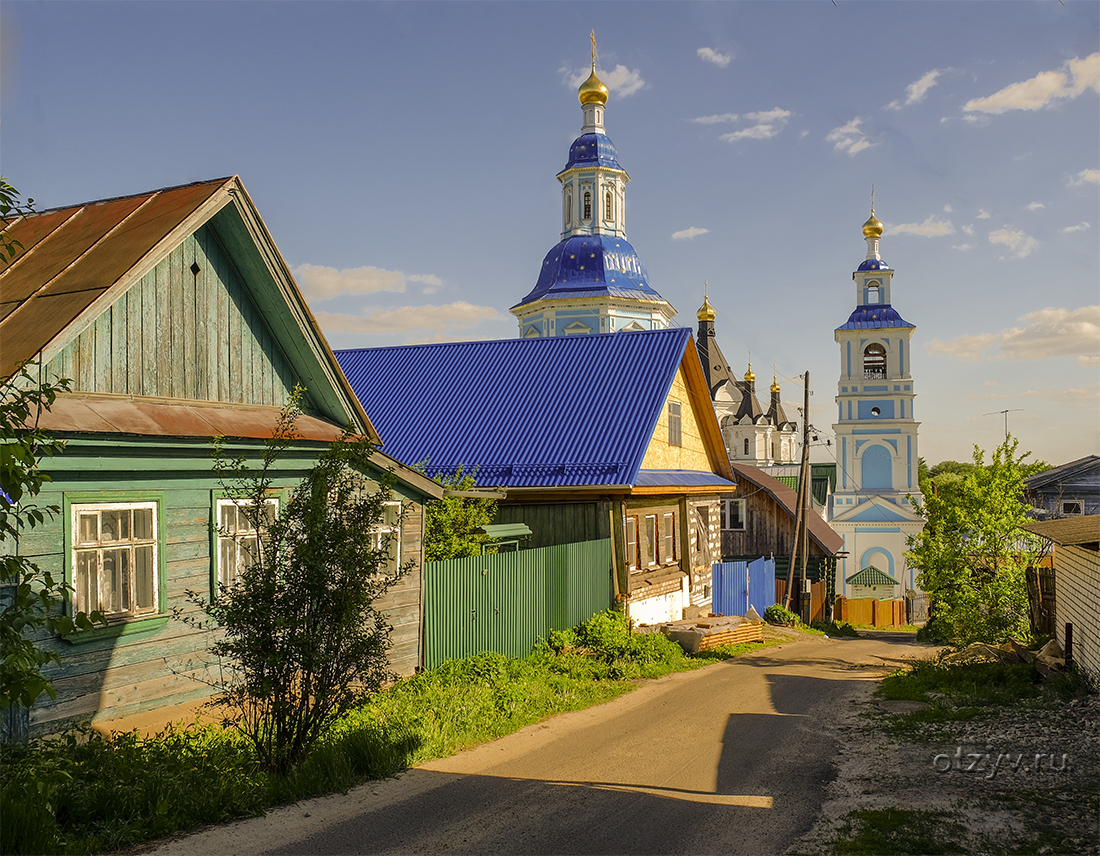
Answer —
86 793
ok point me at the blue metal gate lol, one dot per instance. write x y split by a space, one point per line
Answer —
739 585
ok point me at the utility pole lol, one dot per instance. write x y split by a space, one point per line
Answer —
801 538
1005 414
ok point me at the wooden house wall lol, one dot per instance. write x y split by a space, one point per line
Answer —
553 523
769 529
108 678
691 454
178 334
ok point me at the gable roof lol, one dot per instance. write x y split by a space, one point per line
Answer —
875 509
78 260
819 531
1083 531
871 576
1086 471
555 411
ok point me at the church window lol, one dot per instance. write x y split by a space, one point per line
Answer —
607 207
874 361
674 423
875 411
587 205
746 447
872 292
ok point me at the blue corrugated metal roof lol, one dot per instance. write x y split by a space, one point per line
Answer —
593 150
564 410
592 266
672 478
873 317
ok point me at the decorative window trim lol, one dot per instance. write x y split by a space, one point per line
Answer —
675 424
731 521
1071 507
388 534
220 499
586 205
651 540
120 622
630 542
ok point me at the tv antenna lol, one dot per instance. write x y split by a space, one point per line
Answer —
1005 414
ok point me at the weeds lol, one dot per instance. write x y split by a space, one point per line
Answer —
898 831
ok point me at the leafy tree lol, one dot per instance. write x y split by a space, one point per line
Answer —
32 599
972 553
450 522
11 208
300 631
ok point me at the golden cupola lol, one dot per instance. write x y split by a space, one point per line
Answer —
873 227
750 378
706 311
775 385
592 91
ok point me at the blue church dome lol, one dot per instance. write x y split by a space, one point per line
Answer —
593 150
874 264
592 266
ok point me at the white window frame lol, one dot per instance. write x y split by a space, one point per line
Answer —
668 537
88 593
237 541
630 539
388 533
651 540
727 515
1071 507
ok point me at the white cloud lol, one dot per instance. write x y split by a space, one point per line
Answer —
1080 227
963 247
947 208
459 315
983 214
1046 333
620 80
1086 176
915 92
688 234
968 230
768 124
319 282
849 138
929 228
1021 243
1035 206
710 55
716 119
1040 91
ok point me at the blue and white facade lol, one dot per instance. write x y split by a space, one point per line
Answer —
592 281
876 429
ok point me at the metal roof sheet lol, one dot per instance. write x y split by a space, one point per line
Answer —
871 576
874 317
593 150
568 410
673 478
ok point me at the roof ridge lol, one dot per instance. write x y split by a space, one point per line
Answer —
150 193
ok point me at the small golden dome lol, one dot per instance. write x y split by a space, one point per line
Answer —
873 227
749 376
775 385
706 311
592 91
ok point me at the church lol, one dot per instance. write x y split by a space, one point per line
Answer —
876 436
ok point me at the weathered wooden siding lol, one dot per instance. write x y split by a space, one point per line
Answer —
180 334
769 529
555 523
108 678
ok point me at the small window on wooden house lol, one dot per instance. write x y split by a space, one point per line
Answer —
114 558
1071 507
238 537
630 536
874 361
387 536
733 515
651 539
674 423
668 537
587 215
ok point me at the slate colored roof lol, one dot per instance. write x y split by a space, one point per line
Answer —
1083 531
593 150
874 317
555 411
871 576
592 266
1084 473
821 533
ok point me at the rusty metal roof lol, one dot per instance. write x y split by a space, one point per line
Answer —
71 256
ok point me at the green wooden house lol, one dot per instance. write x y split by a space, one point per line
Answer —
176 319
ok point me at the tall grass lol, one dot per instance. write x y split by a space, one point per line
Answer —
86 793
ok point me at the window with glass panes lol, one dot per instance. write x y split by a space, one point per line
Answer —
651 539
630 527
115 558
733 514
668 538
387 535
238 538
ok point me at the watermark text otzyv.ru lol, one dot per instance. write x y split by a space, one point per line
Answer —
990 762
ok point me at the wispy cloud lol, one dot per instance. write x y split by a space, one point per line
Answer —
319 282
929 228
620 80
1040 91
963 247
1080 227
983 214
1045 334
1035 206
768 124
710 55
716 119
849 138
688 234
1086 176
1021 243
459 315
915 92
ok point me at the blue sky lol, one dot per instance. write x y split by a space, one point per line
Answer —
403 157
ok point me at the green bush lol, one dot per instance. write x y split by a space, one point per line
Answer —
832 628
776 614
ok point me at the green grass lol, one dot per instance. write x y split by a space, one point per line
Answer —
873 832
86 793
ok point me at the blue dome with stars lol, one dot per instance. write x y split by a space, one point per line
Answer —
592 266
874 264
593 150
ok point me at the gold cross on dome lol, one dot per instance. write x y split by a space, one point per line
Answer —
593 37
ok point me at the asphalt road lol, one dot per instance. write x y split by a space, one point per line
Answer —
728 759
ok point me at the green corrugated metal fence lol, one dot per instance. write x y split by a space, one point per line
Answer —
505 601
